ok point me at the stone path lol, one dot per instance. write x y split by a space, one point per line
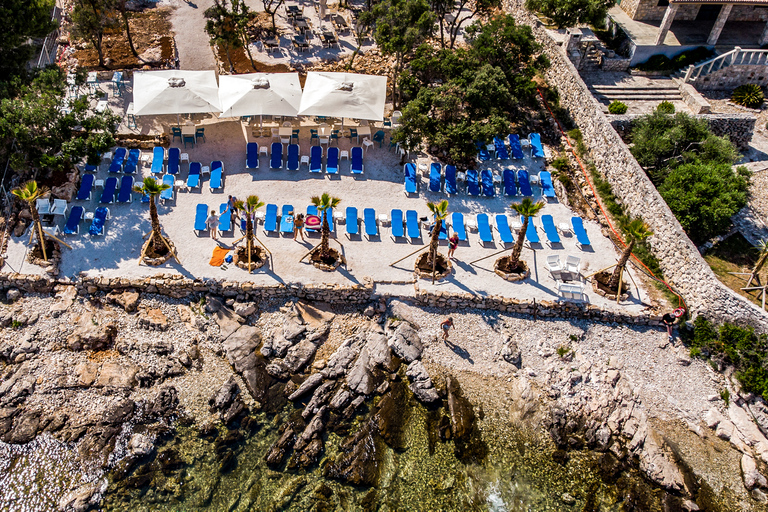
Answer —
192 42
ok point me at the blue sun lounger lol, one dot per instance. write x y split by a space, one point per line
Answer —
292 160
531 233
193 179
217 175
132 162
515 146
484 228
537 150
473 187
329 214
482 151
457 224
100 216
270 219
510 188
501 148
118 160
126 188
72 227
550 230
450 180
369 219
397 223
86 187
547 189
580 232
174 155
525 184
412 224
225 218
486 178
351 222
316 159
312 210
332 161
252 155
201 215
276 159
167 194
502 226
357 160
410 178
286 219
434 177
158 155
91 168
108 194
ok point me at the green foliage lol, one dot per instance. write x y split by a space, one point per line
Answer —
20 22
726 396
704 196
665 107
748 95
50 132
567 13
573 337
732 345
15 324
452 14
617 107
663 63
224 27
91 19
563 350
560 163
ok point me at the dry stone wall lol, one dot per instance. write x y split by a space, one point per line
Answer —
681 262
731 77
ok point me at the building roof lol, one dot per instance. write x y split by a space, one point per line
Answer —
746 2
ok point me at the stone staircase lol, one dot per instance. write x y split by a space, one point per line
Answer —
658 91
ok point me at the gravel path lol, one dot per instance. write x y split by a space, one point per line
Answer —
192 42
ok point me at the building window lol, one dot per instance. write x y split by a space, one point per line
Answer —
663 3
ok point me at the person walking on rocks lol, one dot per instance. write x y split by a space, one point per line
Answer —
213 224
446 325
453 243
669 321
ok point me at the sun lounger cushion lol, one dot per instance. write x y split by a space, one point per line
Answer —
351 222
217 173
537 150
434 177
510 188
252 155
86 186
132 162
525 184
410 178
473 187
193 179
457 223
357 160
369 219
99 218
312 210
531 234
225 218
412 224
126 188
108 194
549 229
174 154
547 189
397 223
517 148
579 231
286 219
118 160
276 160
502 226
72 227
201 215
167 195
484 228
332 161
270 218
292 161
316 159
501 148
450 179
486 178
158 155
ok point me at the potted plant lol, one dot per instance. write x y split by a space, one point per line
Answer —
432 263
325 258
157 249
511 267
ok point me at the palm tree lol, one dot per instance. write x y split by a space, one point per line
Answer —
323 203
527 208
439 212
249 206
152 188
30 193
637 231
762 247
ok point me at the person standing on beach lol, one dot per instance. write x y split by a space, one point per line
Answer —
446 325
231 206
453 243
213 224
298 226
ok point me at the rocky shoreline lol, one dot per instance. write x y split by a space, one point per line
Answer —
114 376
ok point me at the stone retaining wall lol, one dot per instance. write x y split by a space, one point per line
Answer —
738 127
615 64
681 262
731 77
177 286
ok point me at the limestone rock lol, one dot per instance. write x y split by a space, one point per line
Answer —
13 295
244 310
405 343
657 465
319 399
117 374
293 327
379 351
402 311
64 299
360 379
298 355
511 353
343 357
713 418
82 498
86 373
141 445
308 385
92 333
752 478
227 401
359 460
340 399
421 383
153 318
128 299
462 415
226 319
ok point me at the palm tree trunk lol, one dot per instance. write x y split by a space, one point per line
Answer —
38 229
518 248
614 281
434 242
325 238
157 237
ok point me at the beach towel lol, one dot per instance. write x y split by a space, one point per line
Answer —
219 253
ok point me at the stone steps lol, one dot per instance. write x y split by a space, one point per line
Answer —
638 93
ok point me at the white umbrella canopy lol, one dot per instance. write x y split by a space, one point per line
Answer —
174 91
344 95
276 94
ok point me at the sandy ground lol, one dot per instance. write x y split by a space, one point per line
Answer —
192 42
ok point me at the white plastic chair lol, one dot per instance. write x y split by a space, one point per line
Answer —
43 206
553 264
573 264
59 207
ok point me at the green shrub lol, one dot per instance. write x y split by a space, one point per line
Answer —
748 95
665 107
617 107
562 351
663 63
560 163
726 396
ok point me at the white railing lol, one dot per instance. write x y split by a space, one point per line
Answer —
48 51
735 57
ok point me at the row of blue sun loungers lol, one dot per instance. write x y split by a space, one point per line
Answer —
292 160
515 148
76 216
479 183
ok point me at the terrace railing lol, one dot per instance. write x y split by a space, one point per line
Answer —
735 57
48 51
